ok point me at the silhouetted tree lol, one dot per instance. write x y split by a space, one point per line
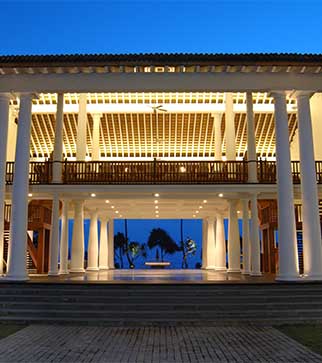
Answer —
160 238
119 247
187 247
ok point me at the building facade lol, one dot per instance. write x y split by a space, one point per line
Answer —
161 136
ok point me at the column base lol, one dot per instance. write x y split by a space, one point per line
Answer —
234 270
221 269
53 273
245 272
103 268
80 269
256 274
288 278
15 278
64 272
92 269
312 277
210 268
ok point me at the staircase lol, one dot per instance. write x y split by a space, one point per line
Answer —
142 304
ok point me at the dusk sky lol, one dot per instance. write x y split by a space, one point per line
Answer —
213 26
217 26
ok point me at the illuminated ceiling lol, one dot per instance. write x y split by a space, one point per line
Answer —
130 128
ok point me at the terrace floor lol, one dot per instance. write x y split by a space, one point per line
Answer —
154 276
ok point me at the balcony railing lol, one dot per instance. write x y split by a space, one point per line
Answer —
157 172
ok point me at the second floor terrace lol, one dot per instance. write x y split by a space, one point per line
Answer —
155 172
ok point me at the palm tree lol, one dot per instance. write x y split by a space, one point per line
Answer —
160 238
119 247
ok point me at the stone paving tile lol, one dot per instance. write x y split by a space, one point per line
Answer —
166 344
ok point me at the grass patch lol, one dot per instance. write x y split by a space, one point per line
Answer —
306 334
6 330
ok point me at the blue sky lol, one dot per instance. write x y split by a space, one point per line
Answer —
234 26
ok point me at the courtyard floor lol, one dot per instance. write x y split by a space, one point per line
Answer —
155 276
50 343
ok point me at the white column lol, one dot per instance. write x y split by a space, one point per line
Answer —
58 145
63 266
103 248
230 128
4 120
246 238
81 128
12 133
211 244
220 244
312 247
218 138
255 244
251 140
77 257
204 243
287 242
96 136
92 257
19 213
233 239
54 237
110 243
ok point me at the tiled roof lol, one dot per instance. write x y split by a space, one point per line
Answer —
159 59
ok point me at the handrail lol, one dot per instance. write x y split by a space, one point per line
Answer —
157 172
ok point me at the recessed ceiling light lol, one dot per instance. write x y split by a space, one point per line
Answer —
197 211
156 207
112 206
121 216
107 201
156 216
29 194
205 201
200 206
117 212
220 195
238 211
194 216
156 211
156 195
156 202
93 195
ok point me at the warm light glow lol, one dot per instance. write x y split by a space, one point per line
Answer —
121 216
200 207
197 211
156 202
194 216
112 206
156 195
156 216
238 211
220 195
156 207
29 194
107 201
93 195
156 211
205 201
182 169
117 212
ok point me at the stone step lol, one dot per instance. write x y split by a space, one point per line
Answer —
79 306
162 315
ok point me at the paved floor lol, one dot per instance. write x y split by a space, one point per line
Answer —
152 344
155 276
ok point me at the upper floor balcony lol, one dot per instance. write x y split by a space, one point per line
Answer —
156 172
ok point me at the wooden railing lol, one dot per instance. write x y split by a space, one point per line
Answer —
157 172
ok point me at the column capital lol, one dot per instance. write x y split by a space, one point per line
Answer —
277 94
96 115
300 94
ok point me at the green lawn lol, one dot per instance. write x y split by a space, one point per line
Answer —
9 329
308 335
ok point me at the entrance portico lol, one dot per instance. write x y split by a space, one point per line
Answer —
157 131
